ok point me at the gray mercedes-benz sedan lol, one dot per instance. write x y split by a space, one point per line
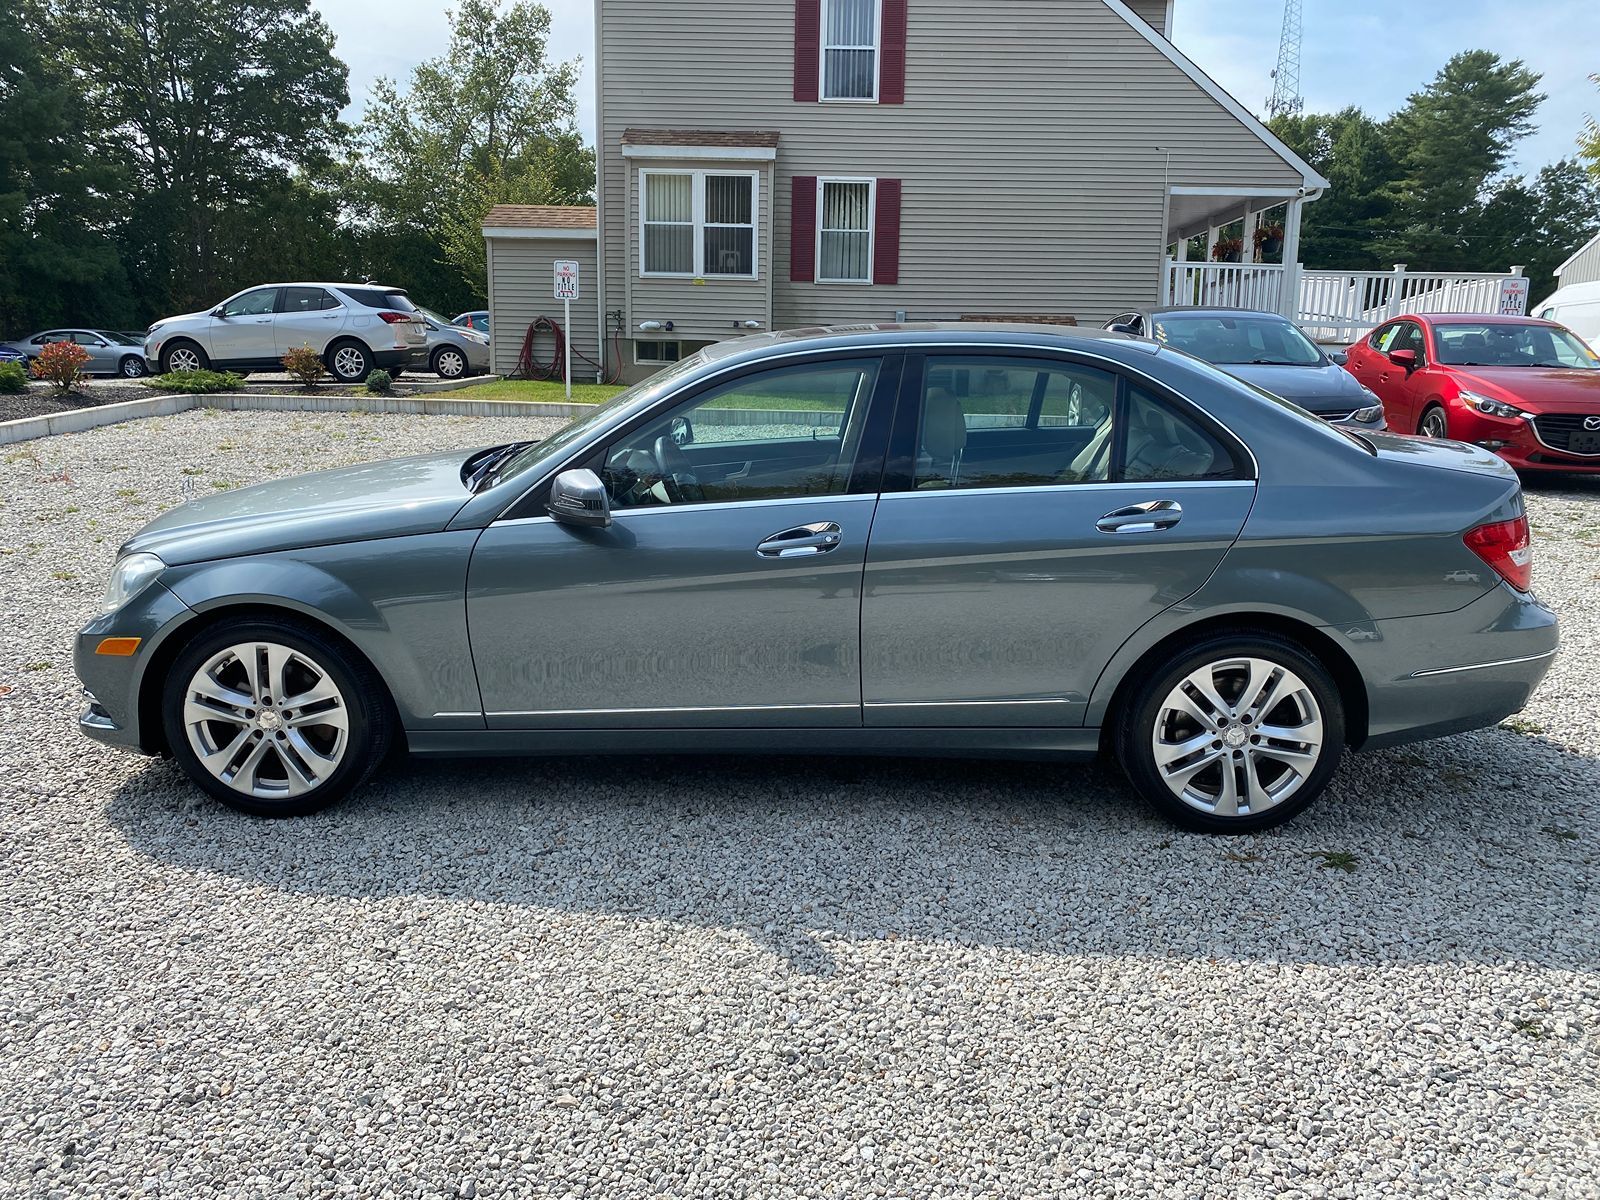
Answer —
922 540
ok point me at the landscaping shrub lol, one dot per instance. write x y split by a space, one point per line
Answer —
60 364
13 378
305 364
379 383
196 383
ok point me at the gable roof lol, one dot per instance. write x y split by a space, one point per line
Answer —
1212 88
540 216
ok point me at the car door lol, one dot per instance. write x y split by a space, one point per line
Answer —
1404 391
1009 562
307 316
102 354
242 330
1366 356
727 589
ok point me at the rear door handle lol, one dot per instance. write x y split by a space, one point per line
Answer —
1150 517
803 541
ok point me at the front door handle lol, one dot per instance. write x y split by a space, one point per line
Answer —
1150 517
802 541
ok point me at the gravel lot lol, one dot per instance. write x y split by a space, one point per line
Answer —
717 979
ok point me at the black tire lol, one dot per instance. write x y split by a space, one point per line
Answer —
173 347
1146 706
1434 413
367 710
443 357
132 366
349 361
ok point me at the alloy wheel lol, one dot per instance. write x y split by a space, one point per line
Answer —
1238 737
1434 424
183 359
132 368
266 721
349 362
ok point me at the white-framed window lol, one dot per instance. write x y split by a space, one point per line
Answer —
694 224
845 210
850 36
656 353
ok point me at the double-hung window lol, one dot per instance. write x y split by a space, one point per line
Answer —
844 232
698 223
850 31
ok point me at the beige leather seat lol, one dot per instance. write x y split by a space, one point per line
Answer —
944 440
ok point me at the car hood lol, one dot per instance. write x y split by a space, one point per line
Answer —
1322 390
1540 389
397 498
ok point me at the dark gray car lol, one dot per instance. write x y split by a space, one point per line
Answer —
1265 349
940 540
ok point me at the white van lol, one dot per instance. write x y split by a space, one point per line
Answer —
1578 308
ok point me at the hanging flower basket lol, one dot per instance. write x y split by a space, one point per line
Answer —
1229 250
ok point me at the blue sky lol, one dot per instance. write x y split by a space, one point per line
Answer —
1372 53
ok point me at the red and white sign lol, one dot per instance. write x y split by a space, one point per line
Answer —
1514 296
567 280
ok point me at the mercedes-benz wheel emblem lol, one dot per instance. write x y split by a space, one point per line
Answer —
1591 423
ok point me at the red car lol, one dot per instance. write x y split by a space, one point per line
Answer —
1528 390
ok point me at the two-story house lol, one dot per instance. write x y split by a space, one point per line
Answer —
782 163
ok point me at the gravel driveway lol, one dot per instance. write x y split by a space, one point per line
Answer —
620 979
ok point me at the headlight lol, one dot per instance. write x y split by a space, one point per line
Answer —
132 574
1368 415
1491 407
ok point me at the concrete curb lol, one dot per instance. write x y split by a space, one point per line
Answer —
76 420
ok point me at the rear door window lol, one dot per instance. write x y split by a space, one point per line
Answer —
298 300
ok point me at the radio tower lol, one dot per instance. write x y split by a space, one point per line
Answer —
1286 97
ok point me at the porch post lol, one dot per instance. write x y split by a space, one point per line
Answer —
1213 236
1289 300
1183 249
1252 222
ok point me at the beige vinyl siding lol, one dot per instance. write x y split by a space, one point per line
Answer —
699 311
1027 146
1585 268
522 289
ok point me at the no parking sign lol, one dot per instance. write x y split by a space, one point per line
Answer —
567 280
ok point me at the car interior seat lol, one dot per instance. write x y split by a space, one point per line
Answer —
944 440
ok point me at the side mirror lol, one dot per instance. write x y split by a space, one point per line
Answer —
217 312
1404 358
1339 357
579 498
1122 327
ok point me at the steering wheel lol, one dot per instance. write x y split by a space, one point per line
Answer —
678 472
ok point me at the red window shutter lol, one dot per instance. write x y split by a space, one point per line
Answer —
892 70
807 50
886 233
803 230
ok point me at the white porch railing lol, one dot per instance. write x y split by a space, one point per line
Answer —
1339 306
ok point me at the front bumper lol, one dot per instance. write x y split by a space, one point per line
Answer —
1451 672
1517 441
113 683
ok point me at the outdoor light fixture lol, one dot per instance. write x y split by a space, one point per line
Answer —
749 324
655 326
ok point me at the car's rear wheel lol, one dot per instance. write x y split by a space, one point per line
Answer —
183 356
273 718
449 363
131 366
1235 735
1435 423
349 362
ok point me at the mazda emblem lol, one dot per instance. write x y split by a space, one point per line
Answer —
1592 423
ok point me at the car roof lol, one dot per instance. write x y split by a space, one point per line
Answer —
1190 310
1471 318
929 333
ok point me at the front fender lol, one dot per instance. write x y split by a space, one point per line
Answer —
400 601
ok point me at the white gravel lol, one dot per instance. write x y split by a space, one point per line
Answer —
713 979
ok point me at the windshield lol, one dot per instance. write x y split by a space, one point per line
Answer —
1510 344
1228 339
638 395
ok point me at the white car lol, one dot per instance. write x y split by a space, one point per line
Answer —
1578 308
355 327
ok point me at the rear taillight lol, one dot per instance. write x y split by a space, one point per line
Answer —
395 318
1507 546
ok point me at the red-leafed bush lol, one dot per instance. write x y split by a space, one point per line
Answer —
60 364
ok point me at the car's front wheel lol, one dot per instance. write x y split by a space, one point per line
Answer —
183 356
349 362
1235 735
1435 423
274 718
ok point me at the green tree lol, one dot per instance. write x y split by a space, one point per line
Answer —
55 263
1539 223
489 121
1589 139
1450 142
216 107
1351 150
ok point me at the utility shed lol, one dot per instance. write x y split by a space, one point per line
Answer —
1582 267
524 242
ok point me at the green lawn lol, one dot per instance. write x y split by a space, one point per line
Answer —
538 391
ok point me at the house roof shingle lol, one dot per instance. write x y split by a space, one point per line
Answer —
540 216
763 138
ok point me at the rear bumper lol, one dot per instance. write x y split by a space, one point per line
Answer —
388 359
1432 676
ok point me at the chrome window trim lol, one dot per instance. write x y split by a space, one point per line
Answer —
1504 662
1073 354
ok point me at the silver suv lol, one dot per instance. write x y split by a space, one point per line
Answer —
356 327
